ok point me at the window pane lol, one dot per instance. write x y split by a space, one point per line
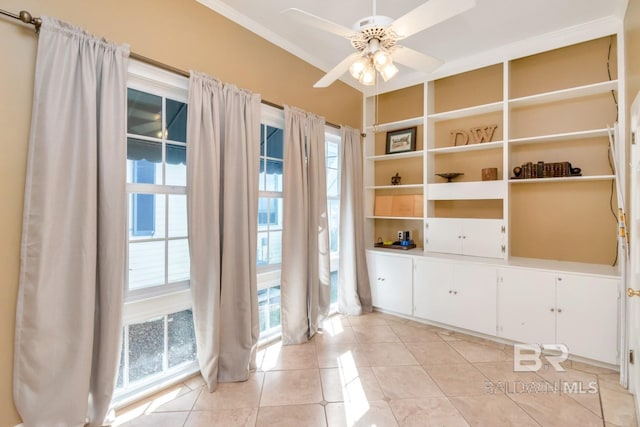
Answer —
176 165
144 161
274 143
276 208
263 309
262 176
176 121
334 224
177 215
274 175
274 306
146 216
144 113
263 248
179 267
332 155
146 264
334 287
120 380
146 348
333 184
181 336
275 247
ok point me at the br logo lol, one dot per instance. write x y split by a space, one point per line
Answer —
528 357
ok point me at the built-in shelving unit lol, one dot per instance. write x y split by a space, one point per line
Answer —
552 107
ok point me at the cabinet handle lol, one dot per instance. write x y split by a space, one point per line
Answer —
559 310
559 279
464 237
459 237
552 310
450 291
455 292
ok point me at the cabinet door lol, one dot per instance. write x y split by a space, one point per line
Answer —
587 319
444 235
475 297
433 290
483 237
526 306
391 282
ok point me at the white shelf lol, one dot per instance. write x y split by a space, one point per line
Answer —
385 127
466 112
563 179
471 147
585 134
475 190
416 218
407 155
560 95
394 187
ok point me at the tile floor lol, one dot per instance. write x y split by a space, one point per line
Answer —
382 370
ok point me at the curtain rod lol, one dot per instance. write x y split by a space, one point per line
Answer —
27 18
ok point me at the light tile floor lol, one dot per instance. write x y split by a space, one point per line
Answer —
382 370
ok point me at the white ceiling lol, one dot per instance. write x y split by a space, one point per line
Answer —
490 30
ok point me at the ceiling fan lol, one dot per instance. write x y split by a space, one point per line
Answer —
375 40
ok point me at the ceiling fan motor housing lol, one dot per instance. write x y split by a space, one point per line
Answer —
373 27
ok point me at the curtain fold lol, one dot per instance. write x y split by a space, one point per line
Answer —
305 276
354 289
68 316
223 134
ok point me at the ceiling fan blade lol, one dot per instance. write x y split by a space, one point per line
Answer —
318 22
414 59
429 14
335 73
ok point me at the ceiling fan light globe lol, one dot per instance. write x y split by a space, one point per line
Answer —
388 71
357 68
368 77
381 59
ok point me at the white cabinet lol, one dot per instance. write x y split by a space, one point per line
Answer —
587 316
456 293
391 282
526 306
577 310
475 237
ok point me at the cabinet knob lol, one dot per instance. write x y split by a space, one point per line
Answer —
459 237
450 292
553 309
559 279
464 237
559 310
455 292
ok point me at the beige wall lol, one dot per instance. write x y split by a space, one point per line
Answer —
183 34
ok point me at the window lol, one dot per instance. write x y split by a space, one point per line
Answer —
332 150
270 208
158 332
270 214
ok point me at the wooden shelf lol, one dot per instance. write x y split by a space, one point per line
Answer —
563 179
466 112
394 187
564 94
398 156
585 134
385 127
416 218
471 147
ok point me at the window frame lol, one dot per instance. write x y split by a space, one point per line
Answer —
145 304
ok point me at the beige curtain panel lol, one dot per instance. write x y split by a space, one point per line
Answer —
223 134
305 276
69 310
354 290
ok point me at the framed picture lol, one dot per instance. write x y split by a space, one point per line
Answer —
401 141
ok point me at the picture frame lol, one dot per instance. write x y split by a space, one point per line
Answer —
401 140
